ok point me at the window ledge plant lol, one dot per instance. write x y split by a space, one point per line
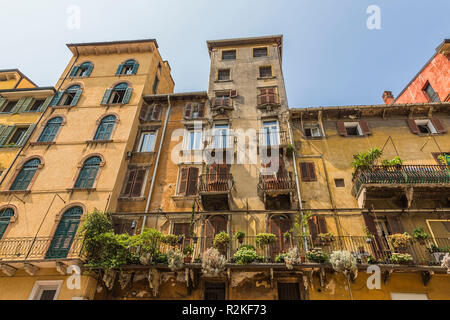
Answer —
401 258
400 240
317 255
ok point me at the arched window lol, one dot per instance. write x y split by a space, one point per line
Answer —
83 70
25 175
50 130
69 97
88 173
127 68
105 128
120 94
5 217
65 234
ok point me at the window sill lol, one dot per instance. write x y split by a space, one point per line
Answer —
42 143
98 141
183 197
149 153
9 147
62 107
267 78
81 189
136 199
313 138
223 81
15 192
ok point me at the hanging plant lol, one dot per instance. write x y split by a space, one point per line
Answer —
420 235
170 239
292 258
345 262
175 260
240 235
221 241
265 239
213 263
446 262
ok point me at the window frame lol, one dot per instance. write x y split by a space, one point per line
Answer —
141 141
45 126
187 139
111 131
311 127
428 123
19 170
80 170
228 51
130 194
39 287
261 48
260 68
223 70
431 98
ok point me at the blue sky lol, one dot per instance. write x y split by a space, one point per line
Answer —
330 56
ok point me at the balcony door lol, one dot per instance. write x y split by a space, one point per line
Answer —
279 225
270 135
221 134
213 226
65 234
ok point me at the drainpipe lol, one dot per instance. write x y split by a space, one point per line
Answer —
291 141
39 120
166 121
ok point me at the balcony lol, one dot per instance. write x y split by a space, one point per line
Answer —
215 191
272 139
403 185
277 190
222 103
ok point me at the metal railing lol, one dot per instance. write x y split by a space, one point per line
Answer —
408 174
215 183
272 138
278 181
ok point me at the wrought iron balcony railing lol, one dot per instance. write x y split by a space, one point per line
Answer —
269 139
408 174
275 182
215 183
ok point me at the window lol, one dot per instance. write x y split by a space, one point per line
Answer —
5 217
25 175
69 97
312 130
425 126
229 55
134 182
265 72
431 94
308 171
193 140
105 128
194 110
340 183
223 99
214 291
259 52
155 85
83 70
268 96
188 181
120 94
46 290
223 75
355 128
14 136
409 296
317 225
50 130
128 68
88 173
147 142
150 112
17 136
270 134
36 106
159 67
288 291
221 136
182 229
9 106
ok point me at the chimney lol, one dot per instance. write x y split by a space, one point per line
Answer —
388 97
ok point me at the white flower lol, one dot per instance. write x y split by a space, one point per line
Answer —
446 262
343 261
213 262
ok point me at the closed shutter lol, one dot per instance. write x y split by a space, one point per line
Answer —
119 69
106 97
394 224
27 135
5 135
127 96
192 182
18 105
341 128
138 183
46 104
288 291
183 181
413 126
135 68
144 110
74 71
129 181
370 223
76 97
156 115
89 70
437 123
26 105
201 110
322 224
188 110
365 127
313 229
2 102
2 128
56 98
308 171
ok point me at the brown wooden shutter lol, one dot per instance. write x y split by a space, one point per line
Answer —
312 223
139 181
365 127
437 123
341 128
308 171
143 114
187 110
233 94
129 182
192 182
370 223
322 224
183 180
156 112
181 229
201 110
413 126
304 171
312 171
394 224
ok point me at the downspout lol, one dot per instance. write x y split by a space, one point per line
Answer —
166 121
39 120
291 141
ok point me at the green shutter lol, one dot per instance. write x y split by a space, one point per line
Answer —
5 135
56 98
106 97
27 135
46 104
2 102
135 68
18 105
26 105
2 127
119 69
76 98
89 70
74 71
127 96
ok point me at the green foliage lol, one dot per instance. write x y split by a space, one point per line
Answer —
175 260
161 258
149 241
399 240
280 257
170 239
325 237
365 160
444 159
221 240
401 258
317 255
248 246
290 151
301 227
371 260
420 234
265 239
434 248
368 233
240 235
188 250
287 235
396 161
246 255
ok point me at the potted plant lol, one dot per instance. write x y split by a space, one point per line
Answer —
290 151
400 240
180 238
287 236
369 236
170 239
194 238
264 240
420 235
221 241
324 238
317 255
187 251
240 235
401 258
246 255
438 253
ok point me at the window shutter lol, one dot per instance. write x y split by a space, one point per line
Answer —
304 171
18 105
26 105
135 68
2 102
183 180
156 115
437 123
322 223
46 104
187 110
89 70
27 134
394 224
106 97
341 128
127 96
312 171
365 127
201 110
139 181
76 97
192 182
74 71
413 126
56 98
2 128
308 171
5 135
129 182
233 94
119 69
370 223
312 223
144 110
